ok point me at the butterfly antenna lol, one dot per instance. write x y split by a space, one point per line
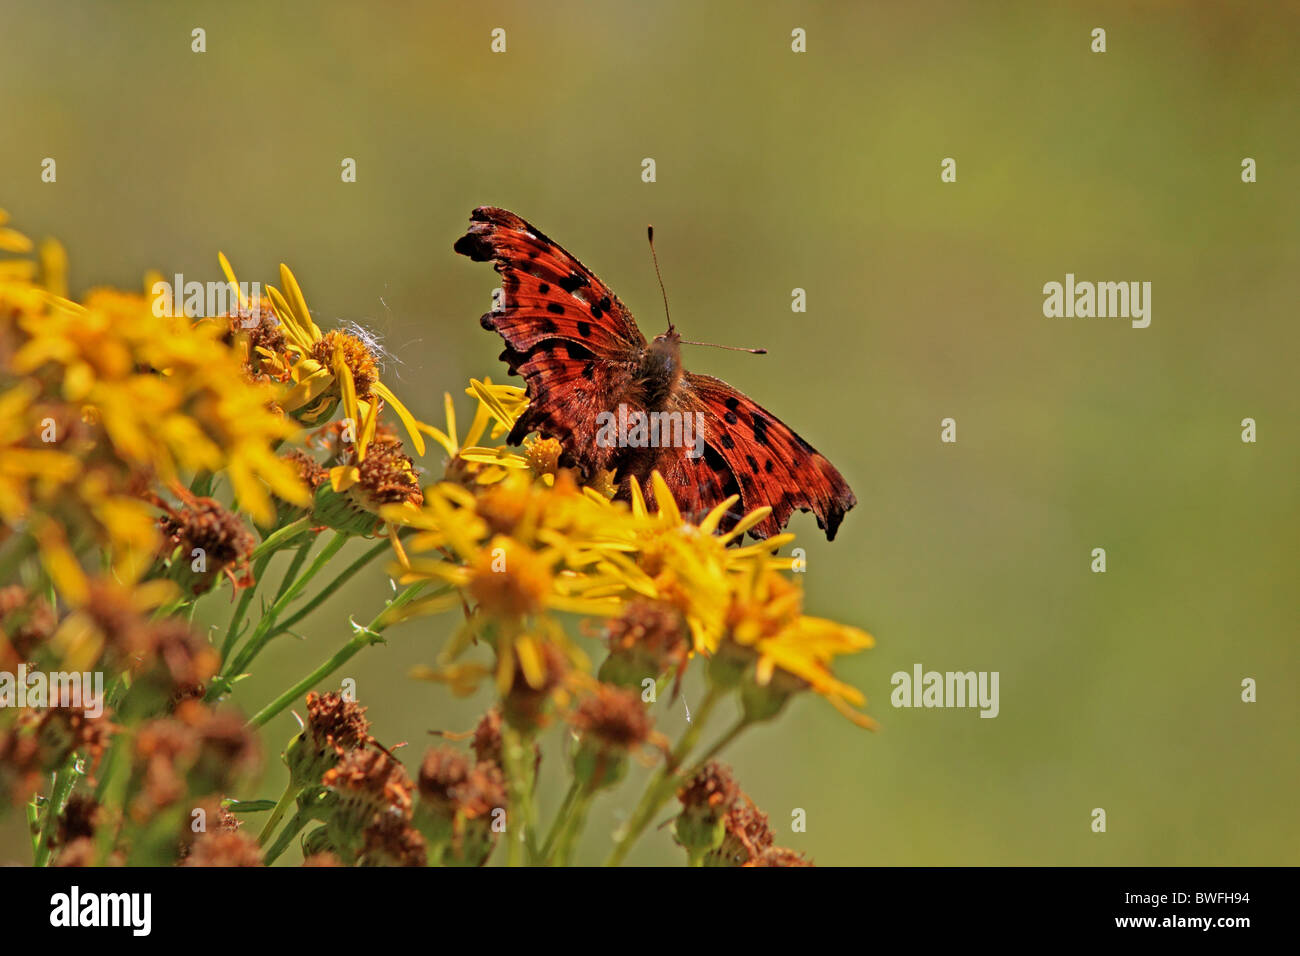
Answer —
650 234
731 348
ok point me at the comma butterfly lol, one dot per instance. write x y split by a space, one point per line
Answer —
587 369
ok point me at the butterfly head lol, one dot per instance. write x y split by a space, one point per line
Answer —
665 351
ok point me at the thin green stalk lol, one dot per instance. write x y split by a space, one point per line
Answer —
295 565
264 631
294 827
111 792
281 807
245 599
664 782
63 783
275 540
329 589
561 817
513 756
34 827
577 821
364 637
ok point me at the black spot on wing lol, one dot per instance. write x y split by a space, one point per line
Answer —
573 282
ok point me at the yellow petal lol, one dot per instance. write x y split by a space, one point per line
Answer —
343 477
347 387
664 498
412 426
230 277
294 293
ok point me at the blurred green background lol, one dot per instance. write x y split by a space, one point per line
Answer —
820 171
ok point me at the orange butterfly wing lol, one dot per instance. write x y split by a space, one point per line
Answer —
575 344
765 460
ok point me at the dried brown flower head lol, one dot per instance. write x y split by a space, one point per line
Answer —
324 858
483 791
613 718
80 818
224 848
650 638
310 471
26 623
176 665
713 790
196 752
202 531
747 837
442 772
256 323
356 355
390 840
455 810
487 737
707 799
334 721
780 856
368 781
388 473
41 741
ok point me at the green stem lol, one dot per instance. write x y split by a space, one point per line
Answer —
281 807
334 585
276 539
63 783
34 828
111 792
577 820
264 631
364 637
245 599
294 827
295 566
261 558
513 756
664 783
561 816
336 660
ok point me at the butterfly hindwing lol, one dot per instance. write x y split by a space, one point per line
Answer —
768 460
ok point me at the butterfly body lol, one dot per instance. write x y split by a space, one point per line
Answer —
583 359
